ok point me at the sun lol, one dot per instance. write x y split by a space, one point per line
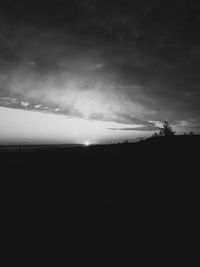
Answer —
86 143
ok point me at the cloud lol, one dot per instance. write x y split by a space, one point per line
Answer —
9 100
133 65
142 128
86 95
24 104
138 125
38 106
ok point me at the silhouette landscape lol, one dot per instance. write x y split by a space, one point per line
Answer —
158 171
100 128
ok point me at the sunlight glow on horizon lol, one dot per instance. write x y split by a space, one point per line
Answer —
23 126
86 143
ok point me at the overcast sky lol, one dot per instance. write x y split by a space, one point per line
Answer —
125 65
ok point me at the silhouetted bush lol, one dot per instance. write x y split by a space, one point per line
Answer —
155 135
167 130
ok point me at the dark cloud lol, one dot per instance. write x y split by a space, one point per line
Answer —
141 129
125 61
121 118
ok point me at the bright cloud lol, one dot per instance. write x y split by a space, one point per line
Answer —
24 104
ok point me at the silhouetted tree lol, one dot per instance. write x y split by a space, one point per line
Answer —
191 133
155 135
167 130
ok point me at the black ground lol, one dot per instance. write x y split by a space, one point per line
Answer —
155 173
142 198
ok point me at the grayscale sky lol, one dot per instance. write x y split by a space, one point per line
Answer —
97 71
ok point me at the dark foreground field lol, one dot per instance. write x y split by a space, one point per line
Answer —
160 173
142 198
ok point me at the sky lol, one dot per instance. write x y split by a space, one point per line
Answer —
97 71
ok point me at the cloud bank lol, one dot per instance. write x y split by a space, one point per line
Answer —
135 64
